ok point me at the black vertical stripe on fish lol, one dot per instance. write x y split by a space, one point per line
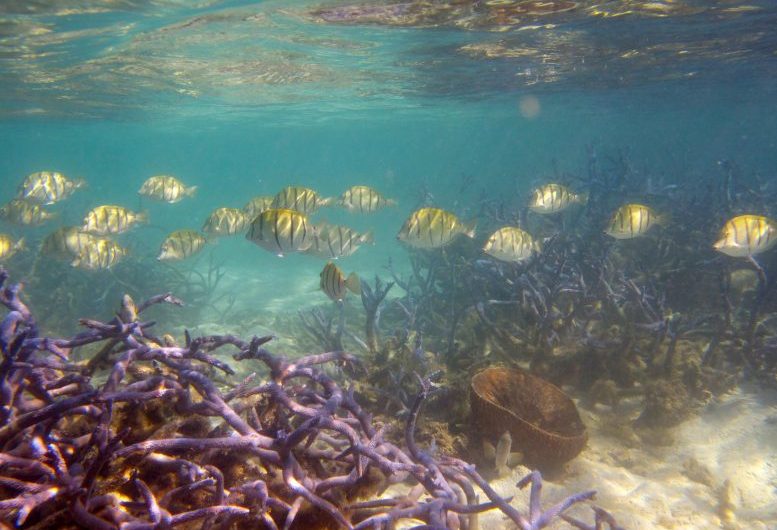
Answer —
275 232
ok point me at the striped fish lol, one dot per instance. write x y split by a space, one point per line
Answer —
433 228
9 247
67 242
552 198
281 230
632 220
99 254
112 219
336 241
181 244
166 188
510 243
256 206
364 199
336 285
303 200
48 187
225 222
747 235
23 212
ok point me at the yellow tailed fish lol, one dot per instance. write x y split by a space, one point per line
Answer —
747 235
112 219
256 206
510 243
9 247
99 254
48 187
225 222
26 213
632 220
67 242
433 228
336 241
166 188
552 198
301 199
364 199
181 244
336 285
281 231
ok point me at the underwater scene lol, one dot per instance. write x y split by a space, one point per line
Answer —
357 264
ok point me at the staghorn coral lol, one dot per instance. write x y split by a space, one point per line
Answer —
294 451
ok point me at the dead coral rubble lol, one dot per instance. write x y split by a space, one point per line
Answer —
165 447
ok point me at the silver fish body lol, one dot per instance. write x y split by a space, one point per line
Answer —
553 198
67 242
9 247
335 284
299 198
631 221
99 254
430 228
23 212
512 244
225 222
112 219
256 206
336 241
281 230
747 235
364 199
48 187
181 244
166 188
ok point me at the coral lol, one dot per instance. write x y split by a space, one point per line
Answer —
167 447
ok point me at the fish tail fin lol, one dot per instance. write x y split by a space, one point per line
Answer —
582 198
664 219
142 217
327 201
470 227
20 245
80 183
368 238
354 283
391 202
191 191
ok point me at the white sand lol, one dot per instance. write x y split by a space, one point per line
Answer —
645 486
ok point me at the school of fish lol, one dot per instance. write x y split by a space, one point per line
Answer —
281 224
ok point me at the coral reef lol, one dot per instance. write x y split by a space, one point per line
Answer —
159 444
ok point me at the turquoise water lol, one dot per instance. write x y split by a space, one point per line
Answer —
465 105
243 98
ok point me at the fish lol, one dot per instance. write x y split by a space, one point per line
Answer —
364 199
632 220
181 244
281 230
67 242
336 241
336 285
553 198
128 310
433 228
112 219
256 206
99 254
9 247
225 222
303 200
166 188
23 212
510 243
48 187
746 236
